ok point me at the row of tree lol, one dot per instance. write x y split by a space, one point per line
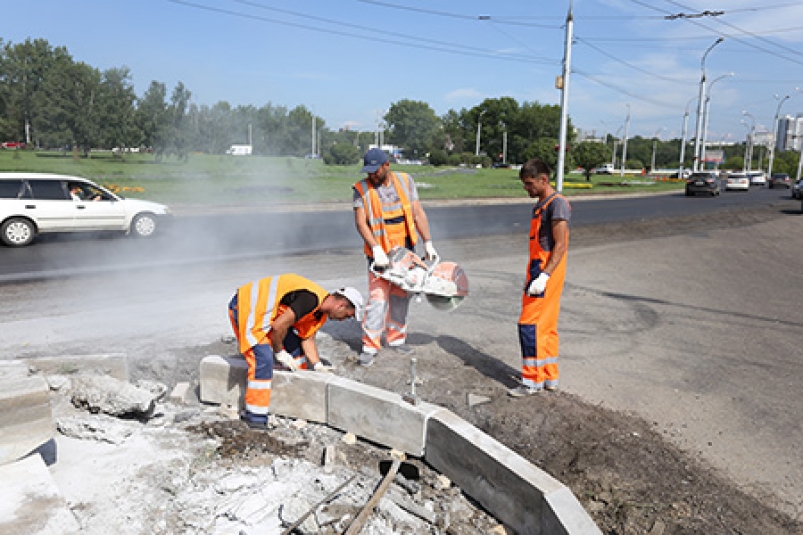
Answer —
50 100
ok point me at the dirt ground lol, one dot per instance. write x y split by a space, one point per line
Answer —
633 470
628 475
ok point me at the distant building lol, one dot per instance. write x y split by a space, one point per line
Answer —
790 133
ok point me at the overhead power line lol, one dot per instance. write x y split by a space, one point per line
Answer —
415 42
737 38
507 20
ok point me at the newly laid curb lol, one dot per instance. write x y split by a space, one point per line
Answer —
516 492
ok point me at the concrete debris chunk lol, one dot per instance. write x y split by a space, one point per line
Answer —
182 393
292 510
111 396
474 400
98 429
329 458
442 482
154 387
411 507
350 439
398 455
500 530
298 424
58 382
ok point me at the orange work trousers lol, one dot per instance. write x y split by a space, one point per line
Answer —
385 313
538 330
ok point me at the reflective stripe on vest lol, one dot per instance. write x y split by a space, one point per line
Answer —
259 304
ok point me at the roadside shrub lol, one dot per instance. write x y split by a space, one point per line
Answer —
438 157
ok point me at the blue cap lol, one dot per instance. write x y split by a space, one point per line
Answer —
373 160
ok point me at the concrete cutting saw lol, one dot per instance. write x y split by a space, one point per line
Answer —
444 284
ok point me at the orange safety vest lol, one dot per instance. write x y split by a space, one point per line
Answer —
259 304
387 234
536 252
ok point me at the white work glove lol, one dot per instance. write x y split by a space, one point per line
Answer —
321 367
429 249
538 285
287 359
381 260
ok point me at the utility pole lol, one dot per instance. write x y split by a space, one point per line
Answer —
314 137
700 103
479 132
564 98
775 133
624 142
683 138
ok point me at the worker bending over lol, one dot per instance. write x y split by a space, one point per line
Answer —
275 319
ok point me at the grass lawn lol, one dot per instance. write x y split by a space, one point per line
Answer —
208 179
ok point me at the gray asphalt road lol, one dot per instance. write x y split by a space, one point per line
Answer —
224 234
699 333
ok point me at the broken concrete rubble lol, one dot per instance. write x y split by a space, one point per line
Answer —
112 396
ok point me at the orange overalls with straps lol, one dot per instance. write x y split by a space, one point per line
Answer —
392 225
538 323
252 311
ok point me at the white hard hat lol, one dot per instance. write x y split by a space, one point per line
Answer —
354 297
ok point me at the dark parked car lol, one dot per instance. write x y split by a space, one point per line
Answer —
703 182
797 189
780 180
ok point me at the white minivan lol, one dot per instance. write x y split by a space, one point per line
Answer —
39 203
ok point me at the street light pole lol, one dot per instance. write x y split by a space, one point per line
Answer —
683 138
706 111
615 142
624 142
700 103
750 140
654 145
775 133
479 130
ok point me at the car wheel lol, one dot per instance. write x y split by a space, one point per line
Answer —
144 225
17 232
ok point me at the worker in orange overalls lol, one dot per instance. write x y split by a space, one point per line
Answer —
387 214
275 319
546 272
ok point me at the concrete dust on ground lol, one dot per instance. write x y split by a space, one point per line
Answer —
675 413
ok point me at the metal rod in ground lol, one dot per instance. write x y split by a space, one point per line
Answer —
329 498
356 526
412 375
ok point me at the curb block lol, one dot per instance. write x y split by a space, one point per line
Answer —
26 419
512 489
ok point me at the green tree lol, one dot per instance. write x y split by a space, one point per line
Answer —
588 155
544 149
438 157
152 117
115 110
414 126
342 154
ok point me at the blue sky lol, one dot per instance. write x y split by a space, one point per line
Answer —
349 60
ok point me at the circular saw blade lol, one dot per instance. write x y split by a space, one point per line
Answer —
445 304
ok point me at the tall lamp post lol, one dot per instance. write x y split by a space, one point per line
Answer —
615 142
700 103
683 138
479 130
654 145
775 132
624 142
706 111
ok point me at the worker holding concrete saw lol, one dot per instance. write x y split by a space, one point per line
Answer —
275 320
546 272
387 214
